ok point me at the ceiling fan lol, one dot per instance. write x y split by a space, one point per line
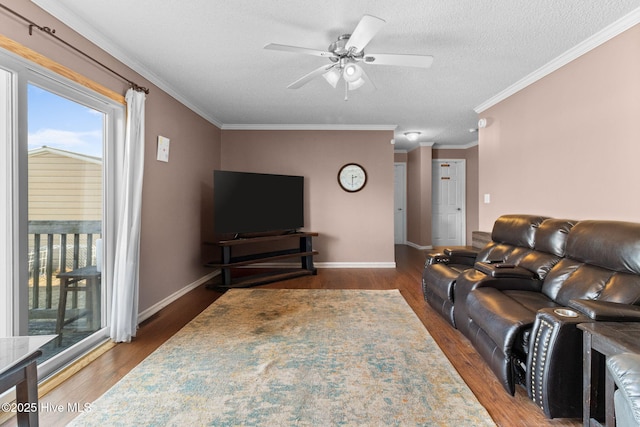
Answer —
346 54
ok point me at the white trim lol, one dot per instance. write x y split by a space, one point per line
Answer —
355 264
144 315
455 147
305 127
422 144
6 198
589 44
401 151
419 247
325 265
69 18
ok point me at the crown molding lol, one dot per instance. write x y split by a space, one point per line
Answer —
455 147
72 20
306 127
602 36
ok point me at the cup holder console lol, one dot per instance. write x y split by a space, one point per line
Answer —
565 312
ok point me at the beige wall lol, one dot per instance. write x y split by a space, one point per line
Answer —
568 145
354 227
419 197
177 196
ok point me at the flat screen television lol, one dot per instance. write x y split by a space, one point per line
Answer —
251 203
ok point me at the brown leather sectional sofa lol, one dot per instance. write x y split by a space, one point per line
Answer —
520 298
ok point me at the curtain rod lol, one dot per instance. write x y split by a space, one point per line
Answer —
51 32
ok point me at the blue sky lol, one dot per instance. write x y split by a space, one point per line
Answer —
57 122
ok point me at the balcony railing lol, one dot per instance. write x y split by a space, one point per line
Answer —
55 247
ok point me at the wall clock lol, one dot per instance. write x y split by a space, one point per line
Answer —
352 177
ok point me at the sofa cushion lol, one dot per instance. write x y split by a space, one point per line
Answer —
441 279
499 316
550 245
551 236
614 245
516 230
570 279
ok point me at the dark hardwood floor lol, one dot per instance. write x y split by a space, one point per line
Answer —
92 381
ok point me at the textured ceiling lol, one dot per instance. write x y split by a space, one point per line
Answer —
209 54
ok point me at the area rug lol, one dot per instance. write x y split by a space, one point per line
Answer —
294 357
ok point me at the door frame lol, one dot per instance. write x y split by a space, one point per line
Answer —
462 186
403 233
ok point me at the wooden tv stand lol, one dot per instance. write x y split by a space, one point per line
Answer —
304 251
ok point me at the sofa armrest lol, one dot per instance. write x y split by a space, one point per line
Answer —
467 253
436 259
501 270
625 371
554 363
606 311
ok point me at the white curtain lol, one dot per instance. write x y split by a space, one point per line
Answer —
128 186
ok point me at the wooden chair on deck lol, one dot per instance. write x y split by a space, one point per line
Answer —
85 279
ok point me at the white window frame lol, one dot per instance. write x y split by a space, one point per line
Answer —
13 186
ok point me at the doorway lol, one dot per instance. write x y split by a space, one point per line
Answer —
448 202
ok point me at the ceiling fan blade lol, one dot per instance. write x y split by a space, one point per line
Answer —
364 32
295 49
308 77
422 61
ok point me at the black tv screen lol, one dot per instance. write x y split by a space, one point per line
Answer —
247 202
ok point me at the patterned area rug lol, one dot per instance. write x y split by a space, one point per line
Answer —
289 357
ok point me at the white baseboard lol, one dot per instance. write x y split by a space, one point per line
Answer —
421 248
391 264
144 315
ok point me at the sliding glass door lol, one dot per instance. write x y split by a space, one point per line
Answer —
55 231
65 215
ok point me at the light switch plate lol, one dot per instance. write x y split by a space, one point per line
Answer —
163 149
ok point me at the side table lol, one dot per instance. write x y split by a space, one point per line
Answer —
601 340
18 368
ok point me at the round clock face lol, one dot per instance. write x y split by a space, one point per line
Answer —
352 177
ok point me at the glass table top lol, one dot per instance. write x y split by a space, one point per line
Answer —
15 349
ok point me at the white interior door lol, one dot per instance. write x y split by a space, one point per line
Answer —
448 202
400 203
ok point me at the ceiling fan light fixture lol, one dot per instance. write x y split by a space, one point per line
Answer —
332 77
352 72
412 136
355 85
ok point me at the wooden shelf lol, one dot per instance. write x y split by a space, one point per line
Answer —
304 251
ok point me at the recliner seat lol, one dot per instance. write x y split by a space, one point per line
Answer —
512 238
525 338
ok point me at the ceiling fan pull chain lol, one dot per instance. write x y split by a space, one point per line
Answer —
346 90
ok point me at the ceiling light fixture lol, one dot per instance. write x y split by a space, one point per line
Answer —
412 136
352 72
332 76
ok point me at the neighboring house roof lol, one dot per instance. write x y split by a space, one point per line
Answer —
71 154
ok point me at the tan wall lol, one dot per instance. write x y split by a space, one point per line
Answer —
568 145
63 188
470 155
419 197
177 196
353 227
